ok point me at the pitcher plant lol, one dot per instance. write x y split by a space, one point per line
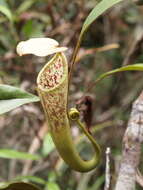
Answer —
52 87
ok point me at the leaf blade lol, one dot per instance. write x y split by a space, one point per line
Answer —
6 11
29 178
13 154
97 11
48 145
13 97
135 67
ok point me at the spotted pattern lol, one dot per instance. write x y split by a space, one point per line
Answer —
52 75
55 100
56 105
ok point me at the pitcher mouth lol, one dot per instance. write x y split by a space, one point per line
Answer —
53 73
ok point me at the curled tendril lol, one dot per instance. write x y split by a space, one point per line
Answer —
74 114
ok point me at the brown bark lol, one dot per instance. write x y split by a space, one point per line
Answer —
132 141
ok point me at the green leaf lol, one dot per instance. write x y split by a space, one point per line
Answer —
135 67
52 186
52 176
48 145
31 178
13 154
17 186
6 12
33 29
4 9
24 6
97 11
12 97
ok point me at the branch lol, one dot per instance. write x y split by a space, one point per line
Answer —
107 171
132 141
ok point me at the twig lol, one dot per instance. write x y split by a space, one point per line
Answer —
33 148
135 47
132 141
139 178
107 171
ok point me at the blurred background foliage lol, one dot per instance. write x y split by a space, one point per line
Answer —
114 40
